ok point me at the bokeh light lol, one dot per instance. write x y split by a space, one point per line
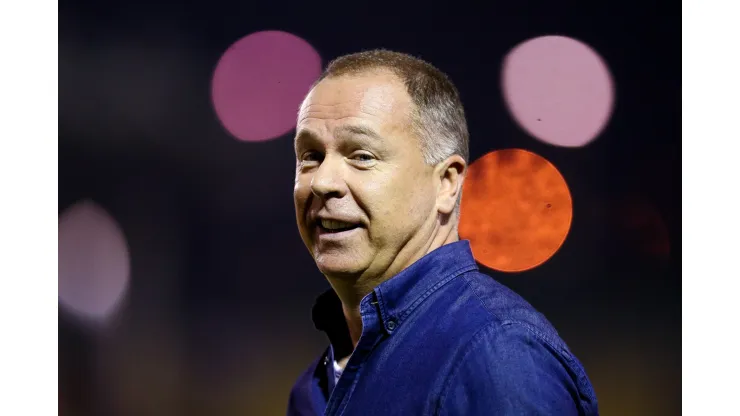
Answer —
516 210
558 89
93 262
259 84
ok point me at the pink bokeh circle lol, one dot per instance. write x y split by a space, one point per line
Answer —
259 83
558 89
94 262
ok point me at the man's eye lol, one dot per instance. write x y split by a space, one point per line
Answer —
363 157
311 156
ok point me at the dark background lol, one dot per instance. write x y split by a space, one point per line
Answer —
217 318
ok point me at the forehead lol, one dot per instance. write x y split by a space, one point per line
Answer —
377 100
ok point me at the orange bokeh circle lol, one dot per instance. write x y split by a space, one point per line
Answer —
516 210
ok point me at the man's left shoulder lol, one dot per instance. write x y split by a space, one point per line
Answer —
516 335
505 307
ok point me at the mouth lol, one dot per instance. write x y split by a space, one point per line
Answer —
326 226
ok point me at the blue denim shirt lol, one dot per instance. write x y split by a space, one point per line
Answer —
442 338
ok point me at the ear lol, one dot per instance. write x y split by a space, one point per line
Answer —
450 174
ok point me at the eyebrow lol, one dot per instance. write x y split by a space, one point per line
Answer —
359 130
304 134
351 130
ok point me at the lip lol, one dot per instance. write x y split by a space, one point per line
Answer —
317 219
323 235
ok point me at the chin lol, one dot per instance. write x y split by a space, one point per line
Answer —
336 265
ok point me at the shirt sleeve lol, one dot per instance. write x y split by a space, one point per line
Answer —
510 370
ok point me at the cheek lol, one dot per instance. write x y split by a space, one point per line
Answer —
392 198
416 198
301 194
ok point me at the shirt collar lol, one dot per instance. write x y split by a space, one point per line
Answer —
398 296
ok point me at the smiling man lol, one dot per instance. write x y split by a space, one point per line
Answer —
413 327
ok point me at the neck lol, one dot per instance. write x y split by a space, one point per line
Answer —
353 291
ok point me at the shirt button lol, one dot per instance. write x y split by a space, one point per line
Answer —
391 325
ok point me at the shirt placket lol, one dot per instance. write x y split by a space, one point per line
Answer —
371 335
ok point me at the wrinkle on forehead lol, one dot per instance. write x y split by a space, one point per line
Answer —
377 96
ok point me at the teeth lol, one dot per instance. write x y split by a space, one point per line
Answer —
335 225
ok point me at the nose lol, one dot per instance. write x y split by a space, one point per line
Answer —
327 180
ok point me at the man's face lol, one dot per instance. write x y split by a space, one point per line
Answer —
363 193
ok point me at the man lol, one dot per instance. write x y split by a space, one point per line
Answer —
414 328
